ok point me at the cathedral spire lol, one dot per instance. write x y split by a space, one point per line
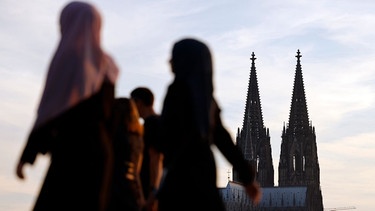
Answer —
298 117
253 119
298 164
253 111
253 139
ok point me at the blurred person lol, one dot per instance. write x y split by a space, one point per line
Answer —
152 165
128 146
71 120
191 123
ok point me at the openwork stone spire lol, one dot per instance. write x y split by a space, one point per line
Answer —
298 165
299 172
253 139
298 118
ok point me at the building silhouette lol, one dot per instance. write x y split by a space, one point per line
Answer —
299 173
253 139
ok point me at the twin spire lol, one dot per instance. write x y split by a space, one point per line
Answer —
253 138
298 116
298 163
253 116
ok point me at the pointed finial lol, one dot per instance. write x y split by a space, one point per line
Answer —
298 55
253 57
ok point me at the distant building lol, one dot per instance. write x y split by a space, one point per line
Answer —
274 198
235 197
253 139
299 172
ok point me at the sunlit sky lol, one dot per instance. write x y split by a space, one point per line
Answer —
336 39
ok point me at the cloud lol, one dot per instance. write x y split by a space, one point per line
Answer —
348 170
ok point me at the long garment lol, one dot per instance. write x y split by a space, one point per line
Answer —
151 140
126 193
80 145
190 181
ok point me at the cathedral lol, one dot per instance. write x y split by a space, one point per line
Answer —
299 174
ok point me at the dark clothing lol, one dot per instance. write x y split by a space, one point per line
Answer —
151 132
190 182
126 190
81 155
151 140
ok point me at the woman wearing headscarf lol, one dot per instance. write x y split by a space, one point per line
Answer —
71 121
191 123
126 191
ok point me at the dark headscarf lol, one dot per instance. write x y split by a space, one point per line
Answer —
192 65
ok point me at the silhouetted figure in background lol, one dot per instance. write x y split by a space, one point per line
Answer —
152 166
72 116
128 146
191 122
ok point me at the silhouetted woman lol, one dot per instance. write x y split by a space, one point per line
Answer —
71 122
191 122
127 193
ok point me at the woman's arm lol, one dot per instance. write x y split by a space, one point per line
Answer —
225 144
37 142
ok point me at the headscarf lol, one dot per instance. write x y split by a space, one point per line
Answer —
79 66
192 65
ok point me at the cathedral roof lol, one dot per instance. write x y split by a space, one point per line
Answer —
272 197
284 197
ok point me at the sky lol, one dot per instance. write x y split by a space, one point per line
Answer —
335 37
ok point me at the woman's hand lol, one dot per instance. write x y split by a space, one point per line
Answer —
19 170
254 192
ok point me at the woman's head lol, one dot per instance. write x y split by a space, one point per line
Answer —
79 66
125 114
191 57
80 22
192 65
